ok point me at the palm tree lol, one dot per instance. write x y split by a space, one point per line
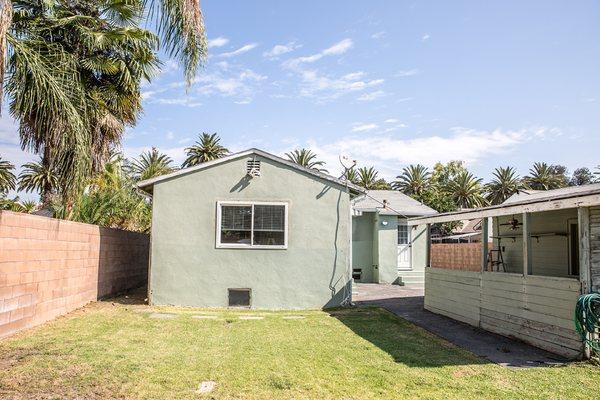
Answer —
505 183
36 177
413 181
367 178
150 164
7 177
542 177
350 175
307 159
466 190
207 148
74 69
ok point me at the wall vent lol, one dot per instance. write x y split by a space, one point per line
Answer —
253 167
239 297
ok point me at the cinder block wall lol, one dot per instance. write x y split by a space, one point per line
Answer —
49 267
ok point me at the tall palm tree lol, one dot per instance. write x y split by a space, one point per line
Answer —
466 190
207 148
306 158
7 177
505 183
150 164
367 178
350 175
542 177
74 72
36 177
413 181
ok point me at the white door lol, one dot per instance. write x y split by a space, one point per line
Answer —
404 245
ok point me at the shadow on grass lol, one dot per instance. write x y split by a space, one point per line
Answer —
405 342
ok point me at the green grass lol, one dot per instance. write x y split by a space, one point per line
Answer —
117 351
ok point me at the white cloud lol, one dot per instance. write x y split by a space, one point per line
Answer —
183 101
281 49
8 130
391 121
389 153
217 42
378 35
407 72
170 135
244 49
364 127
371 96
339 48
425 37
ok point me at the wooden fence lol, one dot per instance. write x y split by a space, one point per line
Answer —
49 267
459 256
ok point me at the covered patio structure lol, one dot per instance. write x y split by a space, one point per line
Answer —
542 254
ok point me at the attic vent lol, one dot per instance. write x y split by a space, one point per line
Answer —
253 167
239 297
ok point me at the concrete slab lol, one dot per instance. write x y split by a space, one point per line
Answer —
407 302
251 317
204 316
162 315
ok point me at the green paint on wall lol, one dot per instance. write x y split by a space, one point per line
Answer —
187 269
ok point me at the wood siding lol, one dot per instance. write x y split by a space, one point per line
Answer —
462 256
595 247
535 309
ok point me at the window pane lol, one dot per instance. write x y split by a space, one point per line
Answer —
236 217
269 225
269 218
402 234
239 237
266 238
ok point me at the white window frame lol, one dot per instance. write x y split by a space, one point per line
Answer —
220 245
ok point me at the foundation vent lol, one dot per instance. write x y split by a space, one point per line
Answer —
239 297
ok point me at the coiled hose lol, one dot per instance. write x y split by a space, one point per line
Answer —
587 320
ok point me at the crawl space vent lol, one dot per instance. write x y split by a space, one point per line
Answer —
239 297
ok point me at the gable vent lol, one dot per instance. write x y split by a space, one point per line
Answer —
253 167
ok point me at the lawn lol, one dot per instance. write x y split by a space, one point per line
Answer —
121 351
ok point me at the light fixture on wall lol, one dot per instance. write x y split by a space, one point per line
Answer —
384 223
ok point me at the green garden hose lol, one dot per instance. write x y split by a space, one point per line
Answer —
587 320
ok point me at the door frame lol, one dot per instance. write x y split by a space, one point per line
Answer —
404 222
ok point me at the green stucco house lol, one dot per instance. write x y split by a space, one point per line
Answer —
384 248
252 230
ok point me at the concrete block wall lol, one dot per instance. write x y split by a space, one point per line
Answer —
49 267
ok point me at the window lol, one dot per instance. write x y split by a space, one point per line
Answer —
402 232
252 225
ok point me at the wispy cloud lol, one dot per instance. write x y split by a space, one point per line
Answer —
359 127
244 49
425 37
217 42
183 101
406 72
281 49
390 121
372 96
339 48
378 35
389 153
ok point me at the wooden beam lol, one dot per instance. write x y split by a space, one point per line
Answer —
428 247
585 275
508 209
527 255
484 244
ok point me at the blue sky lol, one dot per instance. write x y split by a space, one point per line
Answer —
388 83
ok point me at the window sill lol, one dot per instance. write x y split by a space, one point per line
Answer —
249 247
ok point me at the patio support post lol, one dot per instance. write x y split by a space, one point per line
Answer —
484 243
428 246
583 221
527 264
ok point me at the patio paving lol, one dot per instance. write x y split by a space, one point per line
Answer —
407 302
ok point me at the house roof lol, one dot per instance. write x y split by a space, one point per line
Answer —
398 204
571 197
523 195
147 184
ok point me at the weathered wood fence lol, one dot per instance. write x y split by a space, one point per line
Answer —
49 267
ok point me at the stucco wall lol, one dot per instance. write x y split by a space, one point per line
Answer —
387 248
362 245
550 253
49 267
418 247
187 269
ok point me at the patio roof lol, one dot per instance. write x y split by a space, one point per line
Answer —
572 197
